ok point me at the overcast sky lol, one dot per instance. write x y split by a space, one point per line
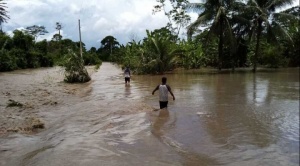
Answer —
123 19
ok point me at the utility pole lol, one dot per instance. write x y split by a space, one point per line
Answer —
59 27
80 38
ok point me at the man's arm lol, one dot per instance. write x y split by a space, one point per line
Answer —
169 88
155 89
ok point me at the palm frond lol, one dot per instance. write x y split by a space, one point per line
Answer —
230 36
195 7
241 20
282 32
3 13
279 3
271 35
156 45
293 10
203 18
284 16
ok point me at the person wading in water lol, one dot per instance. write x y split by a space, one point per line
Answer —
127 75
163 93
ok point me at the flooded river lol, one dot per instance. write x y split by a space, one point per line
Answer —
217 119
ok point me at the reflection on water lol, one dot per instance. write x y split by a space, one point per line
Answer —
159 122
238 119
127 91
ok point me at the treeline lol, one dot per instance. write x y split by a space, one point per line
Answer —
245 34
162 51
21 51
243 40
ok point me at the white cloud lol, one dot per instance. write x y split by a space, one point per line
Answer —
122 19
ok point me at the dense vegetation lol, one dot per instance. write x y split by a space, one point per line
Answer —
227 34
235 35
22 51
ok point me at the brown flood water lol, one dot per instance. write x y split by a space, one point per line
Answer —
217 119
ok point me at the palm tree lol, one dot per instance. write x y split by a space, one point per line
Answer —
161 52
265 17
216 13
3 13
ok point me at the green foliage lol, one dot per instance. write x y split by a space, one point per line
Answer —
91 59
36 31
160 54
157 54
209 45
5 41
272 56
97 66
267 21
33 59
3 13
292 52
7 62
217 15
21 51
226 42
193 56
129 56
22 41
21 57
74 69
177 15
108 45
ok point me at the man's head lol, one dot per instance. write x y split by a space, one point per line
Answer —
164 80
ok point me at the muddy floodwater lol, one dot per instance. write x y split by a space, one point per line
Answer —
217 119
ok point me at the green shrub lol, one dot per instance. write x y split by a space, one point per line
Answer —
7 61
33 59
21 60
45 60
272 56
91 59
74 69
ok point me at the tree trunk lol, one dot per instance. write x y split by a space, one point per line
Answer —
220 48
110 49
233 61
258 34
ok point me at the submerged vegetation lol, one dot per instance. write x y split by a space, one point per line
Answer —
226 34
75 70
13 103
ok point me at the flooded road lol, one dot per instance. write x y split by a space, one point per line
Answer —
216 119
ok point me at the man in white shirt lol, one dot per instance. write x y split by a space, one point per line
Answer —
163 93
